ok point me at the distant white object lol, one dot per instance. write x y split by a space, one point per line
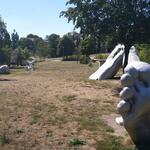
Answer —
30 65
4 69
111 66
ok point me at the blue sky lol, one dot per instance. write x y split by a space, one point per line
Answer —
40 17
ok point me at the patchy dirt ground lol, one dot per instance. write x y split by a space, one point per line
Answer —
56 107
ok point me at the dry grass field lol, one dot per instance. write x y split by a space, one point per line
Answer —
56 107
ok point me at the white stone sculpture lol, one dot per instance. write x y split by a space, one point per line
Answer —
135 106
111 66
4 69
30 65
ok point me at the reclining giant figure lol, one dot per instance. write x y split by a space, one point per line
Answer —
135 106
111 66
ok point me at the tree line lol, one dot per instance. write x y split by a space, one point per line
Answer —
15 49
102 23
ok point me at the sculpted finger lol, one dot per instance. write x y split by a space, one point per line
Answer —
123 107
126 80
120 121
119 56
115 51
127 93
132 71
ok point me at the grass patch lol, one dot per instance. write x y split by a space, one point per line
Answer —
19 131
69 98
76 142
112 143
109 129
35 119
36 100
89 123
4 140
57 120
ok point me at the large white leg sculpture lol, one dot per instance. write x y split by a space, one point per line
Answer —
135 106
111 66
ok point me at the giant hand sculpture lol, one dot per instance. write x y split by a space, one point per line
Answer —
135 106
111 66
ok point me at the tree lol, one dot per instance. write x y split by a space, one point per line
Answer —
15 57
66 46
19 55
24 54
53 41
14 39
42 48
75 37
86 46
6 51
4 42
27 43
125 21
4 35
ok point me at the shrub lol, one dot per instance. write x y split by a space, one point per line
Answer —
84 59
76 142
71 58
144 52
3 140
102 56
69 98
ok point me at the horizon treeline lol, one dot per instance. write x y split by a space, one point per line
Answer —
102 24
15 49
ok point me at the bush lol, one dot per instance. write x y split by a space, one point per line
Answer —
144 52
76 142
71 58
3 140
102 56
84 59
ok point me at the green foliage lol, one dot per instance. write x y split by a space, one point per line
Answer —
42 48
112 143
86 46
66 46
3 139
109 129
28 43
24 54
53 41
69 98
14 40
19 55
4 35
19 130
102 56
76 142
144 52
6 54
4 43
123 21
71 58
75 37
15 57
84 59
89 123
